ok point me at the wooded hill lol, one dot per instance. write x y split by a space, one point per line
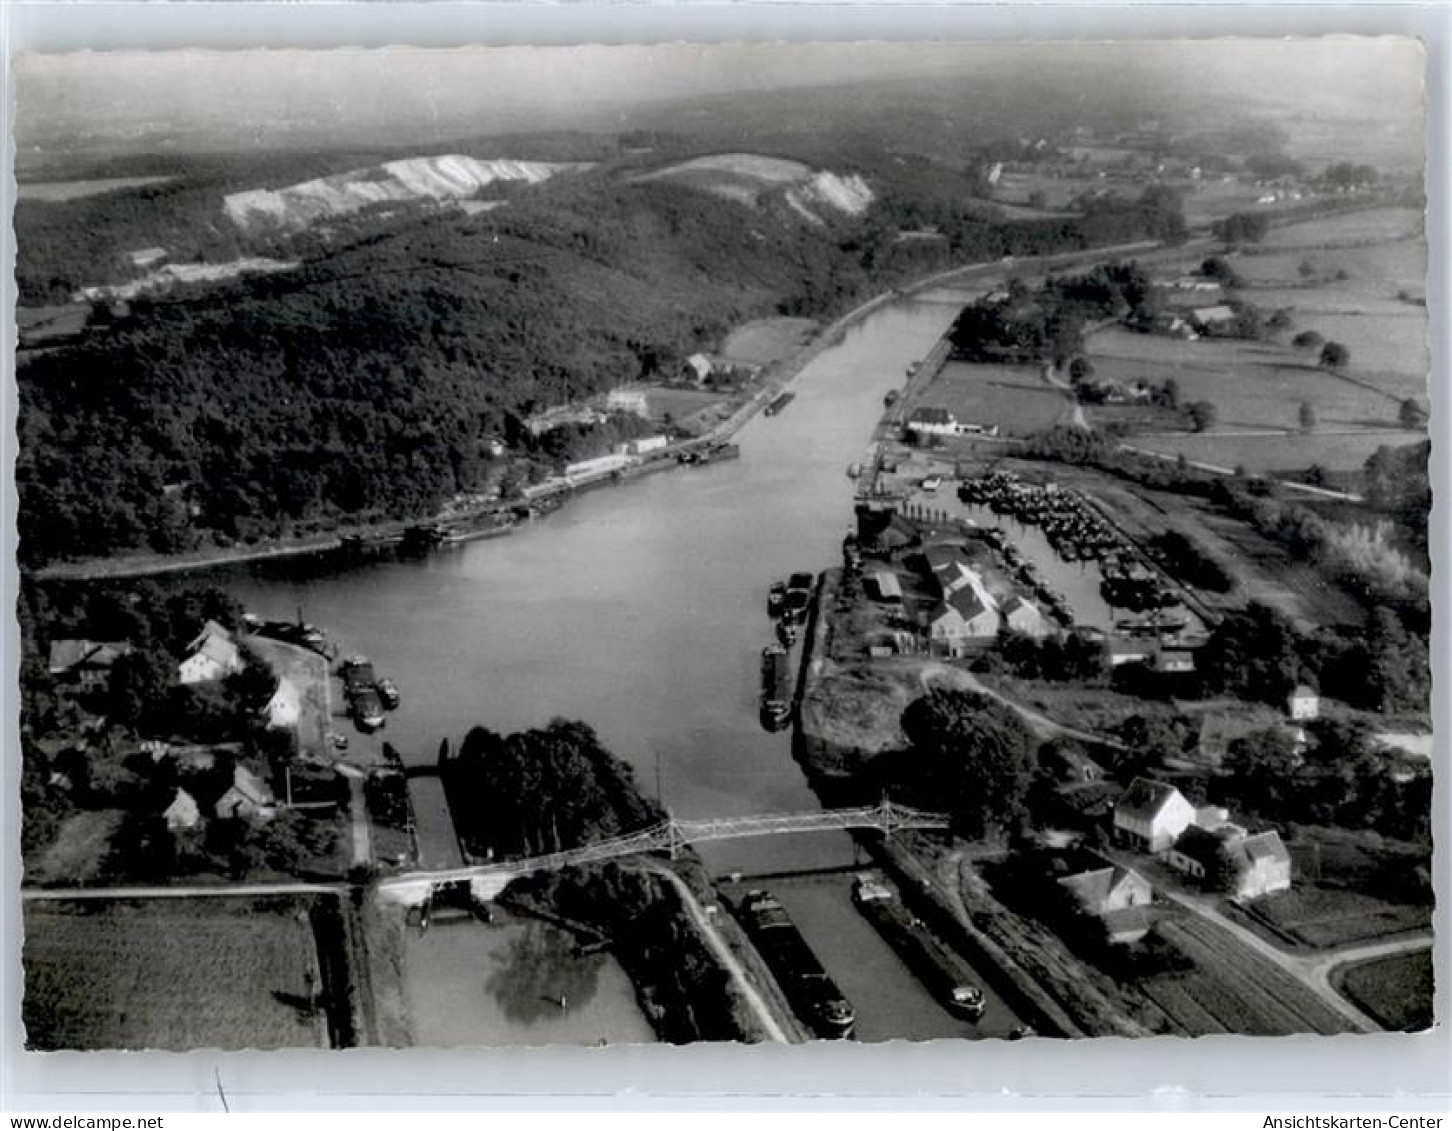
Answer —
369 382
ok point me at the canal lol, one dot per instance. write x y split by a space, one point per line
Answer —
642 611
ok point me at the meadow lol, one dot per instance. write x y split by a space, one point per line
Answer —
171 974
1278 454
1397 991
1014 397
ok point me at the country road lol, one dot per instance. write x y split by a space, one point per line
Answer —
234 891
723 953
1312 971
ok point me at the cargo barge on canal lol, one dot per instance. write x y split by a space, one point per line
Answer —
946 976
808 987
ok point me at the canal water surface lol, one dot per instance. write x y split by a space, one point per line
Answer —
642 611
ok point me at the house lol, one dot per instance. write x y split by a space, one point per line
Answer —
1116 896
1263 866
147 257
1022 615
628 398
1151 815
700 366
885 587
1303 703
642 445
961 620
1209 318
83 667
1110 888
213 655
1174 325
285 707
1174 661
182 813
1229 859
248 798
929 421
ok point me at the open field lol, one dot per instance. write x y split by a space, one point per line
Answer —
765 340
78 855
1014 397
1332 917
171 974
1279 454
1233 990
59 191
1255 385
1380 224
678 403
1396 991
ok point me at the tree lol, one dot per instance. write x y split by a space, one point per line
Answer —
1203 415
1172 393
1335 356
1217 267
1148 740
1081 369
1306 417
1279 321
1411 415
1307 340
979 752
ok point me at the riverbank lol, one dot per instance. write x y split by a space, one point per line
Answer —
778 378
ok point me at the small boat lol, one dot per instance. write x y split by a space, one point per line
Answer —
854 470
786 632
388 692
368 710
776 599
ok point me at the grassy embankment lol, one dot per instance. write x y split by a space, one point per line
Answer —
1396 991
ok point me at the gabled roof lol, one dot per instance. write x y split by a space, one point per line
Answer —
1302 691
930 415
68 654
250 786
1146 798
1213 313
967 603
1265 846
1018 602
1092 888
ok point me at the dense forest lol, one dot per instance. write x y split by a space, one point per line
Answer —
370 382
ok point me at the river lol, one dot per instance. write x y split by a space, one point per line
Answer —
641 609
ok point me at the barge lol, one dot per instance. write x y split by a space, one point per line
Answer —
809 989
776 699
779 402
946 976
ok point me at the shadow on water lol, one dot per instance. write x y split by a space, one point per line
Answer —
539 975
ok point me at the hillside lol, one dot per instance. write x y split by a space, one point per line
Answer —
756 180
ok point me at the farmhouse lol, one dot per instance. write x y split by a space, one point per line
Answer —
83 667
1022 615
628 398
700 366
285 707
1151 815
182 813
1303 704
248 798
962 619
1228 859
1116 896
1174 325
1208 319
642 445
213 655
928 421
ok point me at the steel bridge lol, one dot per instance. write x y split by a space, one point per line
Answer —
488 880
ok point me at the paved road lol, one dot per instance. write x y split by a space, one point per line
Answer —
233 891
729 961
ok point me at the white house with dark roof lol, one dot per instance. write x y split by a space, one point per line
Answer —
930 421
1303 704
962 620
183 812
248 798
1243 865
1022 615
1151 815
213 655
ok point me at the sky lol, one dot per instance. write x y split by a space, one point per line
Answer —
243 99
